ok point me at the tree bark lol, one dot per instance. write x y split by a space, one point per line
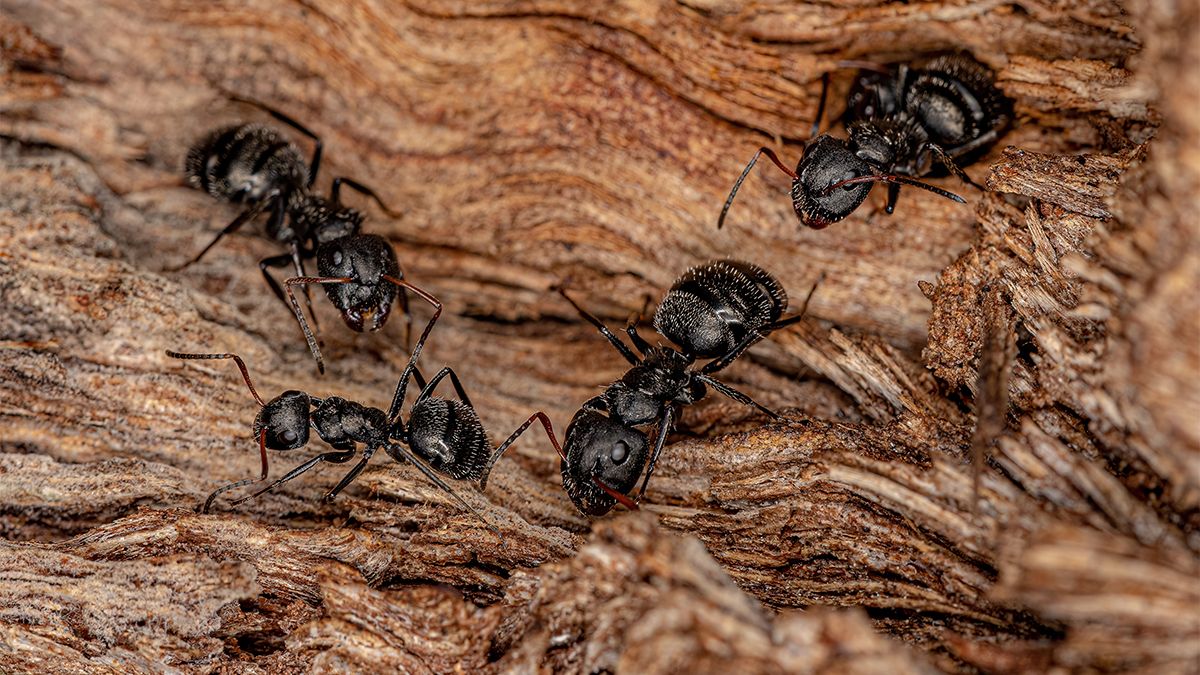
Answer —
1050 328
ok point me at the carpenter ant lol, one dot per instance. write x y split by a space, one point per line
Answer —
440 436
714 311
899 120
255 166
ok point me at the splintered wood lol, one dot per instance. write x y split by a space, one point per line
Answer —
989 460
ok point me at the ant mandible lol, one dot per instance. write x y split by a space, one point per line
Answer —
899 120
255 166
714 311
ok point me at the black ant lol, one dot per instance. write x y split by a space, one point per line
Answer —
254 165
714 311
899 120
441 435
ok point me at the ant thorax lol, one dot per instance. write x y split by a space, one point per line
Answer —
661 378
892 144
343 423
322 221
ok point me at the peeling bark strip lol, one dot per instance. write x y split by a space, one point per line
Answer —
528 142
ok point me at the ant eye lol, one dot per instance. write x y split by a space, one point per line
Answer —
289 436
337 257
620 450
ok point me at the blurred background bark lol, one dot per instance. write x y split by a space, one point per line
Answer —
528 143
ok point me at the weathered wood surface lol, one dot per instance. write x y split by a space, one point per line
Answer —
528 143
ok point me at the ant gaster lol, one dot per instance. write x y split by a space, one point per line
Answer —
255 166
899 121
714 311
440 435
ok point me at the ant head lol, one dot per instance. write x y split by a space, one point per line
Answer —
826 161
285 419
599 448
366 302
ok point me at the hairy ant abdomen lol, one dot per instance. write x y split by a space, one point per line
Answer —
713 307
244 164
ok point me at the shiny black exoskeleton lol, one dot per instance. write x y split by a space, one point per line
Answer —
440 435
900 121
255 166
715 311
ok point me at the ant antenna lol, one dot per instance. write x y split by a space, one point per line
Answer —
623 500
537 416
894 179
746 172
262 450
237 359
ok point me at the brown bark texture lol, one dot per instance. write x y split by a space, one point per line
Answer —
1050 328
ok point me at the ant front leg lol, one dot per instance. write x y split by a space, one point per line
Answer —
308 334
279 261
664 427
338 457
402 385
535 417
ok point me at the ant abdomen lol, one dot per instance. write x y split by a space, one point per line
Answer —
449 436
712 308
956 99
606 449
245 164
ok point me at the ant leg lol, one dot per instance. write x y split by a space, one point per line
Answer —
537 416
236 359
402 385
358 187
951 165
314 164
893 194
262 450
400 453
308 334
299 268
664 427
754 336
735 394
427 389
283 260
721 363
746 172
795 318
816 127
970 147
351 475
608 334
339 457
637 340
242 218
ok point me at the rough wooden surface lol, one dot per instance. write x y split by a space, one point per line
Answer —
528 143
